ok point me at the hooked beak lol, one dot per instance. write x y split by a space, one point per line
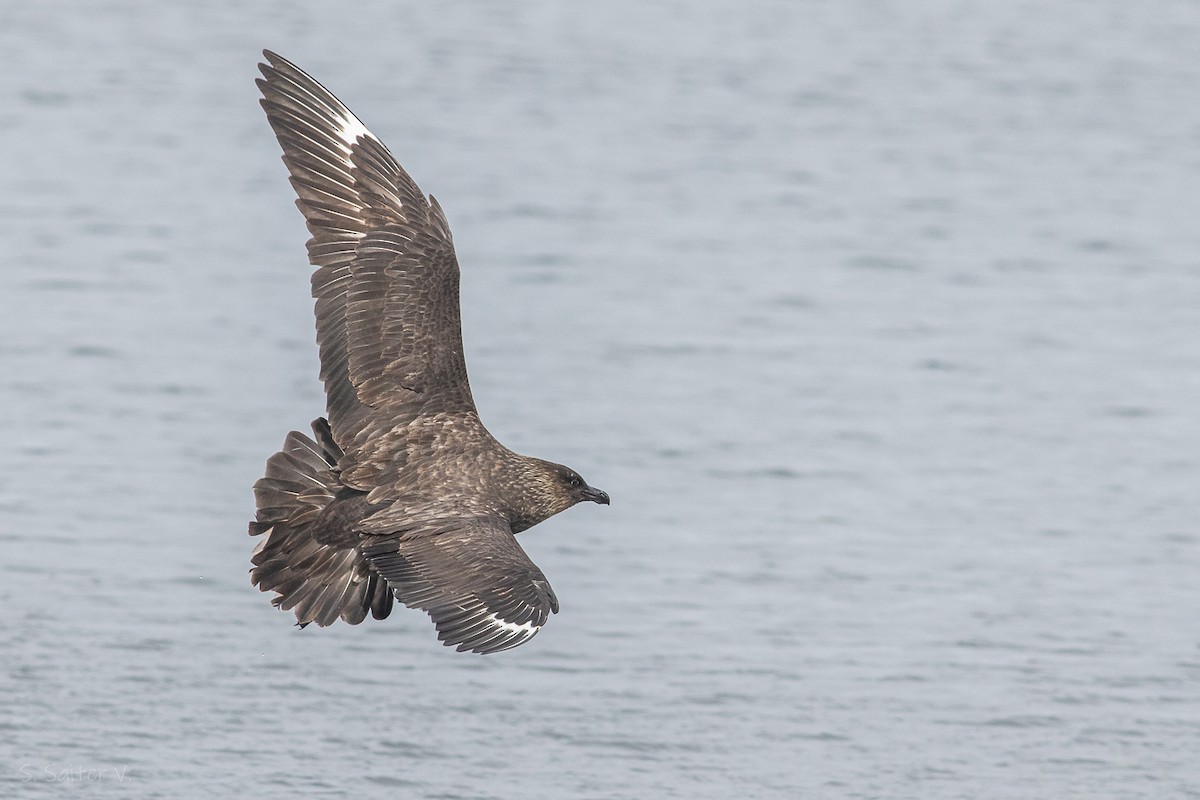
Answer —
595 495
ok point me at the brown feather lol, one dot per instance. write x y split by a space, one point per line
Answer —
403 494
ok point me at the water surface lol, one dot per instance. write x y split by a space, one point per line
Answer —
877 320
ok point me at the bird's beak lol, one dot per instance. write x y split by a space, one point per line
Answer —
595 495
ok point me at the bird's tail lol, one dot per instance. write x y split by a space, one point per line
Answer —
312 573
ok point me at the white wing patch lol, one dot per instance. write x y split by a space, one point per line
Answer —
350 130
490 634
525 628
500 635
504 635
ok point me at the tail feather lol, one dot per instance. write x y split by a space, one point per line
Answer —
314 573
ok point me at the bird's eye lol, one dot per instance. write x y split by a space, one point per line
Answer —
576 481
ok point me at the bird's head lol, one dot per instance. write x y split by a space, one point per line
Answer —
548 489
576 488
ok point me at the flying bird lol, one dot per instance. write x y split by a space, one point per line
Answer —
401 492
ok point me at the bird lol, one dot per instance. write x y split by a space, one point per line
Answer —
401 494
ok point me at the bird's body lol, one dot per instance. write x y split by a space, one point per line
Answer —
402 492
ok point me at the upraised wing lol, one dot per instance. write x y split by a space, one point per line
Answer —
386 283
471 577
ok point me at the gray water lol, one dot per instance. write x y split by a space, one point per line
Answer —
880 321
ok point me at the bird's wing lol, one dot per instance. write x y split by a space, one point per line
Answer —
386 283
471 577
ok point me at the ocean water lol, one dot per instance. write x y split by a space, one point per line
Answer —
880 322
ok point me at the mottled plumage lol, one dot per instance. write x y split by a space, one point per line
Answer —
401 493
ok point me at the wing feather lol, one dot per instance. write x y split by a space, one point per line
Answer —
386 279
471 576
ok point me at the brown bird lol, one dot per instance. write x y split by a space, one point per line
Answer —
403 493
